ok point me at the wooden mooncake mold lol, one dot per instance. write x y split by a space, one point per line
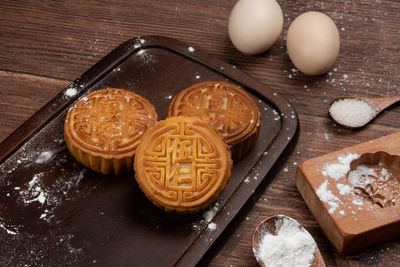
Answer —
103 129
225 106
353 193
182 164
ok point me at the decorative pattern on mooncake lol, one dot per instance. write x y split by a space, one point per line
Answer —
226 107
182 164
103 129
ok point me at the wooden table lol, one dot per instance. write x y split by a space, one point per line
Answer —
44 45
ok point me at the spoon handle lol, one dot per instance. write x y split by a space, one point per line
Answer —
320 261
380 103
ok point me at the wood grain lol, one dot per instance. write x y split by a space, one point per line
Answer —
356 229
19 97
46 44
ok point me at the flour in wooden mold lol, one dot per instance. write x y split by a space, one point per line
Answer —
340 168
346 184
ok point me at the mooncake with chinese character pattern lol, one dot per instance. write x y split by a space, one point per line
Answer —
226 107
103 129
182 164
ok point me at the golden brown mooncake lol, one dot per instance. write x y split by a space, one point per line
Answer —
103 128
228 108
182 164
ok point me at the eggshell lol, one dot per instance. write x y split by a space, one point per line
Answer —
255 25
313 42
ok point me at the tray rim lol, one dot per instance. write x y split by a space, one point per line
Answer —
242 194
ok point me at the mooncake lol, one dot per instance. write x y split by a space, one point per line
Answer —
226 107
182 164
103 129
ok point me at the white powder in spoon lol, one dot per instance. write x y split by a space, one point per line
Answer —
352 112
291 245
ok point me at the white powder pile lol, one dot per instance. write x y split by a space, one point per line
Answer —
352 112
327 196
335 171
291 245
340 168
212 226
70 92
344 189
360 177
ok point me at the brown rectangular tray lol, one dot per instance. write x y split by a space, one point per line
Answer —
54 211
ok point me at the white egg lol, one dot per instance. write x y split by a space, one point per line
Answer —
313 42
255 25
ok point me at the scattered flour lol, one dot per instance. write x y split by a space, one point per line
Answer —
146 58
327 196
385 175
374 185
44 157
335 171
49 195
209 214
324 194
212 226
7 229
291 245
339 169
34 191
361 176
344 189
357 202
26 249
70 92
207 217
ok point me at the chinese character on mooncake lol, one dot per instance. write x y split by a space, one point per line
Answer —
225 106
182 164
103 128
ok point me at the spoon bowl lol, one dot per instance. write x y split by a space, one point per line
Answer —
378 104
269 225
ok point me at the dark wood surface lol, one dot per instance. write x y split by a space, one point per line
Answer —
44 45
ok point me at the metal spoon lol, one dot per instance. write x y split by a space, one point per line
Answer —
378 104
269 226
